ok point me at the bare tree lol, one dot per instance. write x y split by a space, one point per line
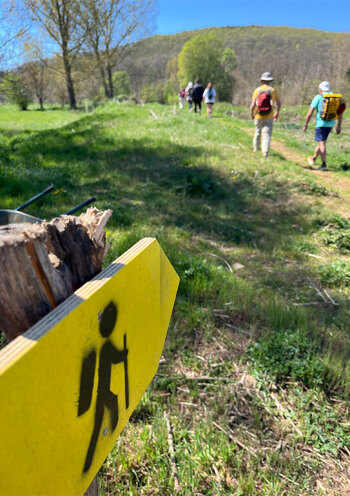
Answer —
59 20
112 26
34 71
12 30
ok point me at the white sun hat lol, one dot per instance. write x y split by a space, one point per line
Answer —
325 86
266 76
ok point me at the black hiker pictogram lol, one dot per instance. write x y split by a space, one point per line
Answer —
109 355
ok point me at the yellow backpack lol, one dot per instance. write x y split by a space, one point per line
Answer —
330 105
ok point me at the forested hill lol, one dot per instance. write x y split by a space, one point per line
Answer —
298 58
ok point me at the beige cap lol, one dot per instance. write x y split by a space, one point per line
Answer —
266 76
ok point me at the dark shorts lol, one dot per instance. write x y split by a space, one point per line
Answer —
321 133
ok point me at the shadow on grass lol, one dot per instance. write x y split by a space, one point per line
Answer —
151 185
143 181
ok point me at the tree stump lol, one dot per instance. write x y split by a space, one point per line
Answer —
43 264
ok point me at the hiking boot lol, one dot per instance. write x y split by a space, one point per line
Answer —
323 168
311 160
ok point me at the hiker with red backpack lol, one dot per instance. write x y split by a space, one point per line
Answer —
330 107
262 110
182 95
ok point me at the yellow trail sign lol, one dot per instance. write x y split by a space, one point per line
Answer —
69 385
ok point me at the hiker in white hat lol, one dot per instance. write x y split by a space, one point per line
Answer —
330 108
262 110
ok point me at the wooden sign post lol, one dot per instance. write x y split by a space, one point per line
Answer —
70 383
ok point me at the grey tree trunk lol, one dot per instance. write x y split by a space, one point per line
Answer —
69 81
110 81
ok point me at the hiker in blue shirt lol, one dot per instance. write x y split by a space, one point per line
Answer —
323 127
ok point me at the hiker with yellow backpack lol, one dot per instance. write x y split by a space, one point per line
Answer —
330 108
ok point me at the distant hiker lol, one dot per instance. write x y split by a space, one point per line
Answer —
262 110
182 95
197 95
188 91
330 107
209 99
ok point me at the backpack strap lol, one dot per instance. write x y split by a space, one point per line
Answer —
259 91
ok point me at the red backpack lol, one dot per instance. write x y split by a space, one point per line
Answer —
263 102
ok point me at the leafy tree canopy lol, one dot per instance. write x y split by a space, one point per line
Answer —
204 58
15 90
121 84
171 71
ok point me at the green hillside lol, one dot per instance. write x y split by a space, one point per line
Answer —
298 58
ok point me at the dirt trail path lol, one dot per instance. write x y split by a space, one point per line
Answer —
330 177
340 185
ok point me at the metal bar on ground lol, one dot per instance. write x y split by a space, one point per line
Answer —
81 205
36 197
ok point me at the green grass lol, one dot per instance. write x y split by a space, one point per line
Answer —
34 119
248 238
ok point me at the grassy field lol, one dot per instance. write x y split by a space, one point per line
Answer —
253 387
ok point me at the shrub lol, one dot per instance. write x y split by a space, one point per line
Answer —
287 354
16 91
121 85
336 273
195 275
151 93
337 233
169 96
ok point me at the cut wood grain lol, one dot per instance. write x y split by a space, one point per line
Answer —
42 264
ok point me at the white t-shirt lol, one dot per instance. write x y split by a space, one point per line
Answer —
205 95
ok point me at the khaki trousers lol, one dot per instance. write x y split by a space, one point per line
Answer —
263 133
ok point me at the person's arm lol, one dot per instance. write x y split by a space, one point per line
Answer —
252 108
308 117
340 120
278 105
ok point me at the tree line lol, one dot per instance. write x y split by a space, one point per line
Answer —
98 49
87 36
299 59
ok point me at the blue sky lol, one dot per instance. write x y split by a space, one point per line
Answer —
183 15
